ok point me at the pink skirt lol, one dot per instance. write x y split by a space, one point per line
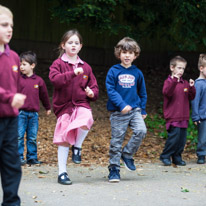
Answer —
66 127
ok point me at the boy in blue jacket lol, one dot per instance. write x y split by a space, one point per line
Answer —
199 109
127 102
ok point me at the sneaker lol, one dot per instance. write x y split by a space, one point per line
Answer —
166 162
180 163
23 162
33 162
201 160
64 179
114 175
129 163
76 158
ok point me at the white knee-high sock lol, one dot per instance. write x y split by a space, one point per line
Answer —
81 135
62 158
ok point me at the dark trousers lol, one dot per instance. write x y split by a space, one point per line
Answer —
175 144
10 167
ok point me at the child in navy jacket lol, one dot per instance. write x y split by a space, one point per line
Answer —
127 102
199 109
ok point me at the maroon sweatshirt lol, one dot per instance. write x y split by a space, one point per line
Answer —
9 77
69 89
176 99
35 89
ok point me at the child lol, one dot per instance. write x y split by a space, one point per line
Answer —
199 109
10 101
74 87
127 102
177 93
35 89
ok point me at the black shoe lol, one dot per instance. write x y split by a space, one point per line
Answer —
201 160
76 158
114 175
33 162
23 162
64 179
166 162
180 163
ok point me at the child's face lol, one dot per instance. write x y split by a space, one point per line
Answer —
127 57
178 70
72 46
27 68
203 71
6 28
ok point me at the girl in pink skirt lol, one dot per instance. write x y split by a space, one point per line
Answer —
74 87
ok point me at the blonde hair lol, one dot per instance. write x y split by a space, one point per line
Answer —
173 61
202 60
5 10
65 37
127 44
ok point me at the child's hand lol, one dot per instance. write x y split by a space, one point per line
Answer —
191 82
177 76
18 100
48 112
89 92
198 122
79 71
144 116
126 109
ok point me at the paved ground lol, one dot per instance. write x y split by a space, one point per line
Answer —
150 185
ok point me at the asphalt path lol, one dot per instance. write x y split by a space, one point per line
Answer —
152 184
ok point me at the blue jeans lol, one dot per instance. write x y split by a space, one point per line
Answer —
28 122
201 145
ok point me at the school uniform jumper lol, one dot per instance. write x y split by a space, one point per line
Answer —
70 102
199 114
35 89
176 111
10 167
125 86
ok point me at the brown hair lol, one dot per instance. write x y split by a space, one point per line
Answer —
65 37
176 59
202 60
29 57
5 10
127 44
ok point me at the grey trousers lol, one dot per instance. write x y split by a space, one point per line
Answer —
119 124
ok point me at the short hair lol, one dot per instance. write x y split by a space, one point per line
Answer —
5 10
29 56
127 44
173 61
202 60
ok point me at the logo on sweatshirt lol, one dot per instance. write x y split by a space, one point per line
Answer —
36 86
85 77
185 89
15 68
126 80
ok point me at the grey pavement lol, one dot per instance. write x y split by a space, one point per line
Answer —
152 184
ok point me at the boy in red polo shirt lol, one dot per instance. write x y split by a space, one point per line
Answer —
10 101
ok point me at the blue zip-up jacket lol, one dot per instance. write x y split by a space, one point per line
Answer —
125 86
199 103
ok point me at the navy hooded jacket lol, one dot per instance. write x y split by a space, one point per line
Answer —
125 86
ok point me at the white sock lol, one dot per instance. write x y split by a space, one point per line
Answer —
81 135
62 158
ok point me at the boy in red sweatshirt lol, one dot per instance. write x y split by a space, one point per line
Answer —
34 87
177 93
10 101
